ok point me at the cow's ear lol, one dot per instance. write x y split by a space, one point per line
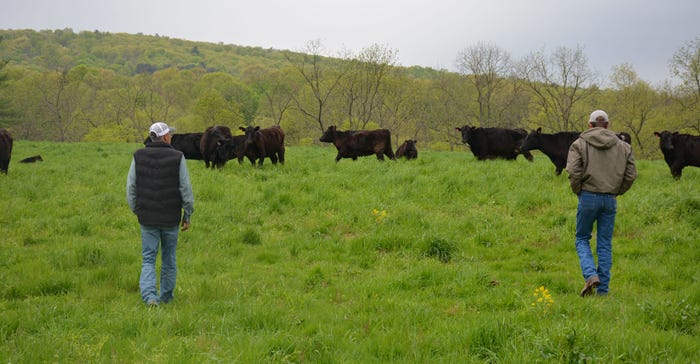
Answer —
657 134
458 128
539 130
257 128
415 141
241 128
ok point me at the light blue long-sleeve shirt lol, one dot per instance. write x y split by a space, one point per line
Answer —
184 185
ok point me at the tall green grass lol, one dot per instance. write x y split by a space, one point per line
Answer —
431 261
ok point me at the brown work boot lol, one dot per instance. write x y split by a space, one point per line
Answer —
591 283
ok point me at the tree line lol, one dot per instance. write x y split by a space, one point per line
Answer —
95 86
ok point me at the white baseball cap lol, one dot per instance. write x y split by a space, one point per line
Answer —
598 114
160 129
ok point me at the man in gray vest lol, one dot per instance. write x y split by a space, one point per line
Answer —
601 167
159 192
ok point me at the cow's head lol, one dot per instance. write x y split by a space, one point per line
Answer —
665 139
410 144
532 140
250 132
624 137
328 135
225 149
467 132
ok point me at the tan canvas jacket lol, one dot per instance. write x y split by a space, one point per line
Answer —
599 161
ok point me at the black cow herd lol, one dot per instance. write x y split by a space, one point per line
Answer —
216 145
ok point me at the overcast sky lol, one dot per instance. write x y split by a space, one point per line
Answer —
643 33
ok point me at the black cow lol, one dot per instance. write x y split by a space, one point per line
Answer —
32 159
680 150
492 143
5 150
407 150
358 143
555 146
264 143
212 146
187 143
625 137
235 149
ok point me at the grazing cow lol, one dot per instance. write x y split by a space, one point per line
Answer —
555 146
625 137
5 150
264 143
187 143
680 150
407 149
358 143
491 143
212 146
32 159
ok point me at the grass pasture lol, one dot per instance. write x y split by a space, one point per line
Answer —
438 260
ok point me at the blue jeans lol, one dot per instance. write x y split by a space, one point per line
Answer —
151 238
600 208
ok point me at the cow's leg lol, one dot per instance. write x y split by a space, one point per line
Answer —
389 153
676 171
281 155
273 158
220 164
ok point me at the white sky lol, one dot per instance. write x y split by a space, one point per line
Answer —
643 33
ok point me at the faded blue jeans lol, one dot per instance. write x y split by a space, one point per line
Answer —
151 239
601 209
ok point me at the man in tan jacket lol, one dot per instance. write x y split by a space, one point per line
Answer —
600 167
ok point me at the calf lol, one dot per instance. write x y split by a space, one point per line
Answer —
36 158
358 143
5 150
212 145
491 143
679 150
407 150
264 143
555 146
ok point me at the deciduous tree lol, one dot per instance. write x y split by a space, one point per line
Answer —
685 65
488 67
634 104
558 82
364 84
321 77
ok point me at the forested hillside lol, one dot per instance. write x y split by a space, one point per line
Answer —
97 86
